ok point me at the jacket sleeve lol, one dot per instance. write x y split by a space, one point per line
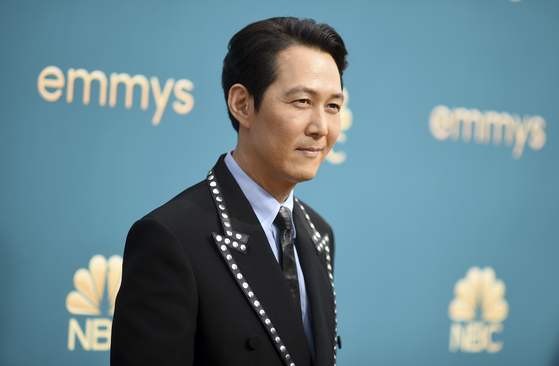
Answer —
157 304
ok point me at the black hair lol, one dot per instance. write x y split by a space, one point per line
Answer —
252 53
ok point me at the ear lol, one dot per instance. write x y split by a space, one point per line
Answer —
241 104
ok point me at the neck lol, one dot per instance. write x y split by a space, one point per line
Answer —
276 188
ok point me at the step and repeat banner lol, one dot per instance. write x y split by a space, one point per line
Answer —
443 188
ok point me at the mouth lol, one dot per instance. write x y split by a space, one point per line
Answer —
310 151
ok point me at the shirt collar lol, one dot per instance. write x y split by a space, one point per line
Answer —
265 206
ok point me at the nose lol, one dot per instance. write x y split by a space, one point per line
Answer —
318 124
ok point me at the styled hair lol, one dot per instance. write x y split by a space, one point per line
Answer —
252 53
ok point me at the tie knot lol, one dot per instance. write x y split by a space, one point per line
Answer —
283 219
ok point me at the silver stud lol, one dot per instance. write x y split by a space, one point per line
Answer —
307 216
218 237
239 236
245 285
277 339
223 248
267 321
224 215
262 312
312 225
330 275
221 207
292 364
239 276
229 257
215 191
287 357
329 267
229 233
211 177
283 349
273 330
235 244
227 241
250 294
213 184
256 303
243 247
234 267
328 257
227 223
219 199
327 248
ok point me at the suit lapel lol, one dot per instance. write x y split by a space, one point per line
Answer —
261 270
319 290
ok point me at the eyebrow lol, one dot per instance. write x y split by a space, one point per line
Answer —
304 89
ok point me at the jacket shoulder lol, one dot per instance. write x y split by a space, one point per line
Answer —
192 204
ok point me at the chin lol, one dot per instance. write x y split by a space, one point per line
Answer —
304 175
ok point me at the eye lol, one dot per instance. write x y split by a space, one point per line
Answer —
303 101
333 107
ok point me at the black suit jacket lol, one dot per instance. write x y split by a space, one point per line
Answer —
180 304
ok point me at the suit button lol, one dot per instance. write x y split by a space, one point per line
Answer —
254 342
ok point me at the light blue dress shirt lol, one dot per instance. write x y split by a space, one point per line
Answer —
266 209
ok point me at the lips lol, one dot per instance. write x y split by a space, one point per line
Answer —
311 152
310 148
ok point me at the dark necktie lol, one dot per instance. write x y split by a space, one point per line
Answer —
287 257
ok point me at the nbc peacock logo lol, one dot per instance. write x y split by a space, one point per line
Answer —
478 309
87 299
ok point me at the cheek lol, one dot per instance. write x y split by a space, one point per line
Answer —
288 129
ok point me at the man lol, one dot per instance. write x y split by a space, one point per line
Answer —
212 277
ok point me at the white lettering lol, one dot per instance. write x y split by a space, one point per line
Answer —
522 130
537 133
474 337
129 82
96 337
441 122
455 332
181 88
87 77
74 330
161 99
101 330
51 82
493 347
58 83
445 123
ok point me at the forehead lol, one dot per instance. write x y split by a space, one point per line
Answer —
301 64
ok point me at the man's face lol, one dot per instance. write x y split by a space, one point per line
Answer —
298 120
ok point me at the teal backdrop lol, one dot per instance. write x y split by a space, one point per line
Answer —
443 189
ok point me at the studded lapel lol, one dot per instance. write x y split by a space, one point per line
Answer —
260 270
319 289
